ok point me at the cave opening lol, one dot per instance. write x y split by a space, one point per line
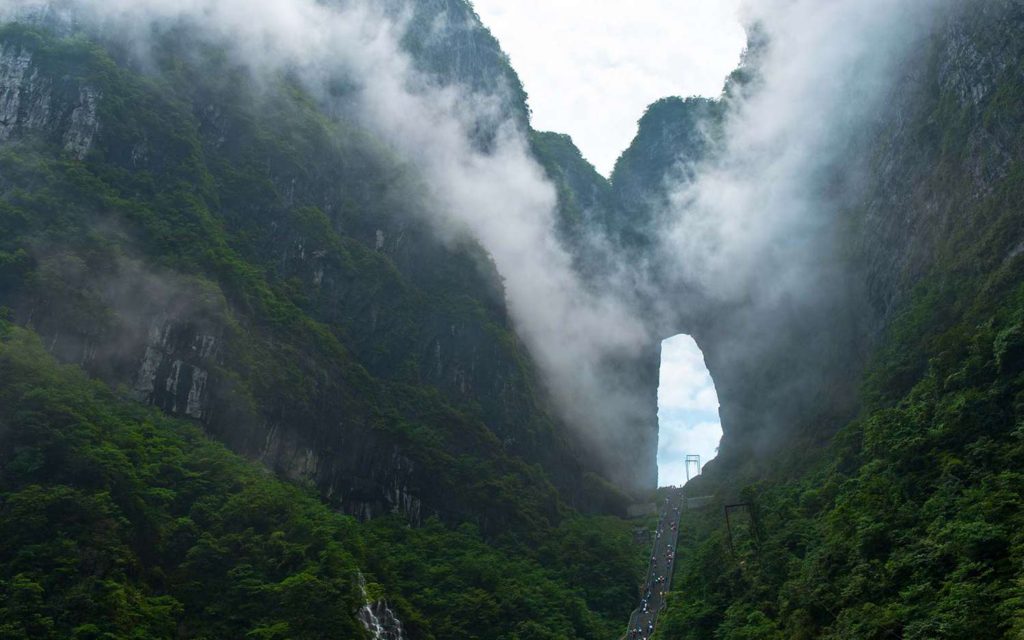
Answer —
688 419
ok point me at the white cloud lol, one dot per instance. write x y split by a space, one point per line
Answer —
685 381
756 225
688 420
749 225
677 439
592 66
501 197
755 222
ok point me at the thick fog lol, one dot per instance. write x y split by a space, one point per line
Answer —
756 218
753 225
499 196
759 233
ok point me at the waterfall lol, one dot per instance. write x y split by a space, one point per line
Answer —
378 618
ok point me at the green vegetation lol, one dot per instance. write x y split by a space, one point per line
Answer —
469 589
268 242
237 210
119 522
911 523
241 212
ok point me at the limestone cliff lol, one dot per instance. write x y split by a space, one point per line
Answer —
901 209
242 262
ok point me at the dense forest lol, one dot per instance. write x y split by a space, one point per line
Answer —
906 521
119 522
259 380
910 524
252 277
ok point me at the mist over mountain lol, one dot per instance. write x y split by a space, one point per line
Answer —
306 333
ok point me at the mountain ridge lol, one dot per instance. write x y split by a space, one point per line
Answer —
222 247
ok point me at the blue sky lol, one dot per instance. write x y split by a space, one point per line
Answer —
687 409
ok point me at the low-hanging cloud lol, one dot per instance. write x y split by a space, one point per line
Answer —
751 227
756 217
755 229
495 193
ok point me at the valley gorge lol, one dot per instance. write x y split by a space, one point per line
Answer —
291 349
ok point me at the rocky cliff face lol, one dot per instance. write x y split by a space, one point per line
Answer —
929 244
961 92
235 260
941 151
31 102
450 44
591 227
673 136
230 258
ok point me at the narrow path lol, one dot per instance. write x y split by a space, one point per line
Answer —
659 573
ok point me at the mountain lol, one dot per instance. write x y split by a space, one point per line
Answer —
261 376
235 258
222 247
872 442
